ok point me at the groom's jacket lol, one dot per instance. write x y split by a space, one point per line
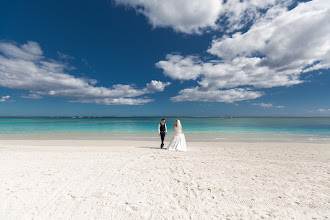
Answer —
162 128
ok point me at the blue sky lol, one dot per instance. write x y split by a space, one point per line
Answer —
174 58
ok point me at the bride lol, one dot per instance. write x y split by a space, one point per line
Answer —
178 142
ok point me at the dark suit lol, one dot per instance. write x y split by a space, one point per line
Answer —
162 129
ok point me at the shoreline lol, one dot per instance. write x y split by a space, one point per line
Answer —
121 142
221 138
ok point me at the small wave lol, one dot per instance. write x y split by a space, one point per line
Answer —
221 138
318 139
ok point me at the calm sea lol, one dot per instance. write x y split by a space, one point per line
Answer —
196 129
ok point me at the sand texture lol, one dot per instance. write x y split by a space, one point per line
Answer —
49 179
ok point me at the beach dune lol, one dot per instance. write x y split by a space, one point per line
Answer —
109 179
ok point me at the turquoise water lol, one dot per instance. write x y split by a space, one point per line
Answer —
204 129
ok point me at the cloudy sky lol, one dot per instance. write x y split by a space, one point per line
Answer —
173 57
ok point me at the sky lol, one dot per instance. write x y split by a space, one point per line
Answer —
165 58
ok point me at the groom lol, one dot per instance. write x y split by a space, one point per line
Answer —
162 131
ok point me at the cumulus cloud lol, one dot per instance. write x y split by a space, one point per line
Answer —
156 86
179 67
228 96
188 16
283 40
24 68
237 14
267 105
4 98
280 46
228 73
196 16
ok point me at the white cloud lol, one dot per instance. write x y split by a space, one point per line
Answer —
116 101
189 16
323 110
239 71
279 47
23 68
179 67
156 86
237 14
28 51
196 16
267 105
32 96
4 98
283 40
264 105
228 96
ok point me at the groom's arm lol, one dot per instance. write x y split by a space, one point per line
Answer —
158 129
165 128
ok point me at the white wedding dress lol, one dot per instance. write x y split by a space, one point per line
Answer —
178 142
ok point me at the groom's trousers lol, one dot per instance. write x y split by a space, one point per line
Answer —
162 137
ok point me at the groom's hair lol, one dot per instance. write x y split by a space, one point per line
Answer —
163 119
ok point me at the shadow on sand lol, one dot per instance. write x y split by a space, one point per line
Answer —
154 148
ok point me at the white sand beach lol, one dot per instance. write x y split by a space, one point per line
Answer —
108 179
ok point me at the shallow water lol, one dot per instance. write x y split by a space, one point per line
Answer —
315 130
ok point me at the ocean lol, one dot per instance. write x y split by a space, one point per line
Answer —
314 130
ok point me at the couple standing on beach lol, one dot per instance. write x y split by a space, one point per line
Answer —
178 142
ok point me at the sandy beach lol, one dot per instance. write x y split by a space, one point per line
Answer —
108 179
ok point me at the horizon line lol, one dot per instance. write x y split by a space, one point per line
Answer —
89 116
